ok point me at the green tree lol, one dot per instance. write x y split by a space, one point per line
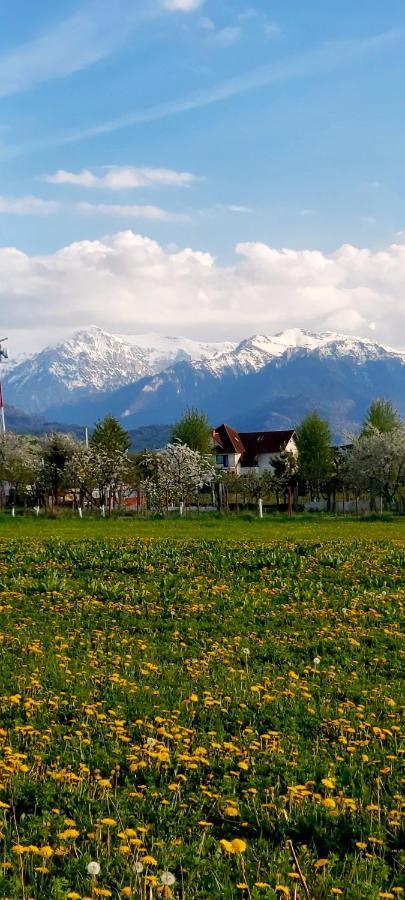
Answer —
193 430
284 477
110 444
57 450
382 417
110 436
315 455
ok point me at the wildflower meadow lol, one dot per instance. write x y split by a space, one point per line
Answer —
201 719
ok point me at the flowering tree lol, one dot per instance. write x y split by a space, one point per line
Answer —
175 475
99 477
376 462
20 465
82 474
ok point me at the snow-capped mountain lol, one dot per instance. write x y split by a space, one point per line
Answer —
261 382
257 351
163 350
92 362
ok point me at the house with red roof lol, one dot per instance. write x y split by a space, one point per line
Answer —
242 451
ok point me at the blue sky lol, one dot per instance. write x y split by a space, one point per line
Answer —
276 123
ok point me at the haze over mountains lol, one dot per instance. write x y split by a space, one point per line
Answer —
261 382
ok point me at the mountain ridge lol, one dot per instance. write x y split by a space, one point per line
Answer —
261 382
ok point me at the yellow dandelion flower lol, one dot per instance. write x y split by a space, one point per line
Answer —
328 782
238 845
69 834
46 852
226 845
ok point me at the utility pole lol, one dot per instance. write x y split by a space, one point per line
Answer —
3 355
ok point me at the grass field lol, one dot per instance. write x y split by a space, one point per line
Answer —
178 713
311 527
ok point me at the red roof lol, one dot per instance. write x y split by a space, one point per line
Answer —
228 439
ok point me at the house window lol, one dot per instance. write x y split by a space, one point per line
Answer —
222 461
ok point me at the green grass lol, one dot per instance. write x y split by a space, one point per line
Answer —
160 700
208 527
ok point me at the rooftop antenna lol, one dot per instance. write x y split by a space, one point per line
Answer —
3 355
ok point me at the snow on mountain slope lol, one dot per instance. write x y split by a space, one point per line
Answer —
163 351
254 353
94 361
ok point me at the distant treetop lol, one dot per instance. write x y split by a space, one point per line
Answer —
194 430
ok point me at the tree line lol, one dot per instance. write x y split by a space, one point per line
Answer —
102 473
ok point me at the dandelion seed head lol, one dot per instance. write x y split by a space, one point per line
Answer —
93 869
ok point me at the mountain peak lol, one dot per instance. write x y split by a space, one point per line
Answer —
93 366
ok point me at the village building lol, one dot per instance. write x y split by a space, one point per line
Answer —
242 451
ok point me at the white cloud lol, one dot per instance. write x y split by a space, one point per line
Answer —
248 14
328 57
182 5
272 30
227 36
132 211
76 42
122 178
368 221
225 207
206 24
127 283
27 206
234 208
